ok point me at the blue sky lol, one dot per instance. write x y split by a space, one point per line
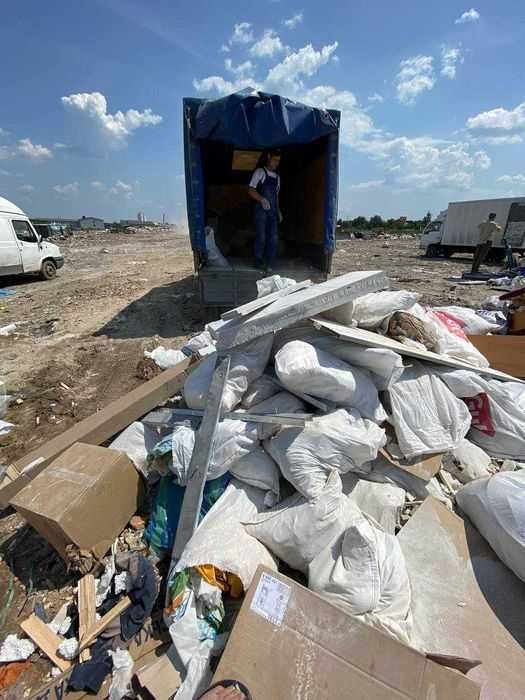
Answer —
433 97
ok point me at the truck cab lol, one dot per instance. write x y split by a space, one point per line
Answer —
432 236
22 250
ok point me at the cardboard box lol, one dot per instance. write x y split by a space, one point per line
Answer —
504 352
147 645
466 602
517 323
95 429
289 643
85 497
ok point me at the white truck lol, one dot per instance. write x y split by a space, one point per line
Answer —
22 250
455 230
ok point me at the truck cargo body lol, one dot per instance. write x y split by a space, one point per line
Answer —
223 142
458 231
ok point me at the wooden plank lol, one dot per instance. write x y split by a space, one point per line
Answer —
46 640
261 302
97 428
200 460
87 610
504 352
308 302
101 625
374 340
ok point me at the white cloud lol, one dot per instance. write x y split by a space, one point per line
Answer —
225 48
5 153
368 185
60 146
376 97
268 45
499 118
512 179
415 76
117 127
241 70
242 33
70 188
285 76
26 188
216 83
292 22
97 185
3 132
425 162
498 140
35 151
450 57
122 188
471 15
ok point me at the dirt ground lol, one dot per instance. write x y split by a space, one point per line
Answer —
79 342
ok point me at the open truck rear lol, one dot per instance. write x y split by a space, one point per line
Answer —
223 142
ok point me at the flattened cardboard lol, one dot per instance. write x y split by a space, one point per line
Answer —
465 601
517 323
95 429
504 352
288 643
85 497
151 640
425 468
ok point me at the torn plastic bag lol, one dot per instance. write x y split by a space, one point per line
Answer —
247 363
222 541
261 389
496 506
233 439
497 408
341 440
200 345
426 415
297 529
259 470
274 283
472 322
137 441
363 571
383 502
122 673
466 462
370 310
303 367
165 357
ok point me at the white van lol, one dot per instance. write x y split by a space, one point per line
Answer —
22 250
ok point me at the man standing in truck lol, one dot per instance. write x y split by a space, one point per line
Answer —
487 229
264 189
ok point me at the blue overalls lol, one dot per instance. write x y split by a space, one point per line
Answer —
267 222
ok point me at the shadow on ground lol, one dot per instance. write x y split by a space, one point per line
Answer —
167 311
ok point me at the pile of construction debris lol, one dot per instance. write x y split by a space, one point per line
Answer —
340 432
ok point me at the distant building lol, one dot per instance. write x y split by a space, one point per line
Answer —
129 222
91 222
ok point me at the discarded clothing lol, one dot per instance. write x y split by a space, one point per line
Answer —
90 675
143 590
228 583
9 674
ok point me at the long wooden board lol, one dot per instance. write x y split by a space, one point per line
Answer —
87 610
46 640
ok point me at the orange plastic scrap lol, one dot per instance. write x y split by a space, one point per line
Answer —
10 673
227 582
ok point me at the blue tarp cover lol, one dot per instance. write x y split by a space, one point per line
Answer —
250 119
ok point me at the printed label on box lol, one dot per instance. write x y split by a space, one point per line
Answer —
271 599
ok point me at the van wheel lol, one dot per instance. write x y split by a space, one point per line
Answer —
432 251
48 270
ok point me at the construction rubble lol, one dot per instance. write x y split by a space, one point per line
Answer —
326 490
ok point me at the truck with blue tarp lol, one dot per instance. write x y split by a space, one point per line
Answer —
224 140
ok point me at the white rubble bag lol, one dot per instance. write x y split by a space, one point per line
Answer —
246 365
297 529
282 402
165 357
304 368
371 310
222 541
496 506
466 462
259 390
341 440
498 411
453 342
200 345
233 439
383 502
214 255
258 469
137 441
274 283
426 415
473 323
363 571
